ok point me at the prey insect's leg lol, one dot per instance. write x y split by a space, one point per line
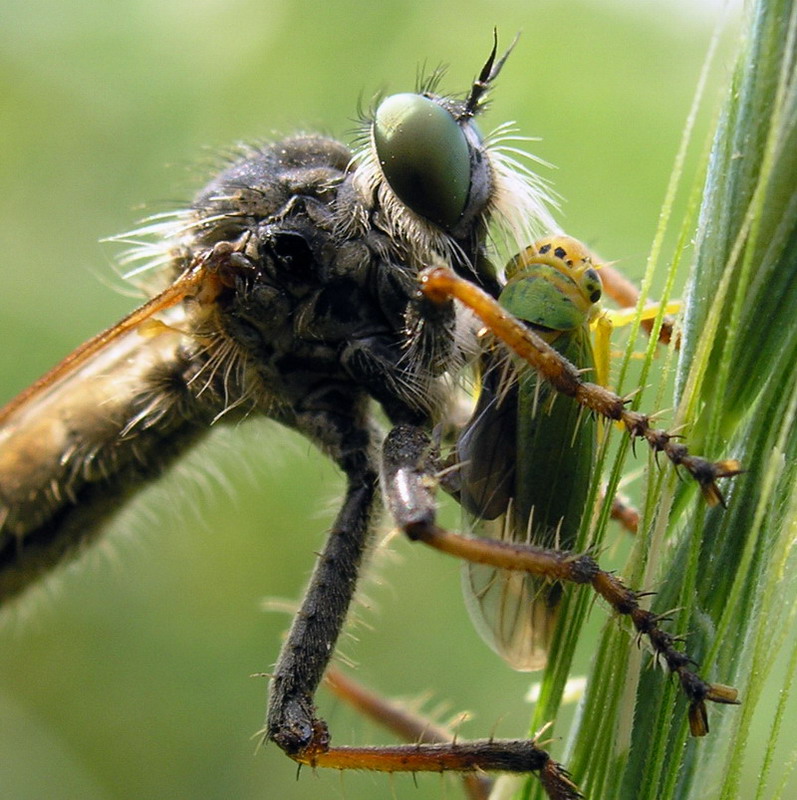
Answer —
626 515
440 284
626 295
408 483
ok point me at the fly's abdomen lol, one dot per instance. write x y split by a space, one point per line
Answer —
70 456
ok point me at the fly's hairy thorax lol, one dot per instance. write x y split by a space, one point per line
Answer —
318 300
311 316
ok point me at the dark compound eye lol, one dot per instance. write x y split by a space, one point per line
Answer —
592 285
424 156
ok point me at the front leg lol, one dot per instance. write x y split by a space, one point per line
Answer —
291 721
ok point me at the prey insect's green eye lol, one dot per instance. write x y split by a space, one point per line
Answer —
424 156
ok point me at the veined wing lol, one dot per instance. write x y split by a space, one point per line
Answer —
93 430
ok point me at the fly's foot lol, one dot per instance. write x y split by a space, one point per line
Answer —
704 471
298 733
697 690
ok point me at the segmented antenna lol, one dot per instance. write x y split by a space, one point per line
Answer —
486 77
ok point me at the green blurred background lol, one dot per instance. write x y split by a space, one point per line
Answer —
129 677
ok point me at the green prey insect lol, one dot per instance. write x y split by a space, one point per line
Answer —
518 425
528 526
522 519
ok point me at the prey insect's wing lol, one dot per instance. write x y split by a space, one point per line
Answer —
527 462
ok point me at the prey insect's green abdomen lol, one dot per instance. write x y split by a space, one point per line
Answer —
555 451
527 454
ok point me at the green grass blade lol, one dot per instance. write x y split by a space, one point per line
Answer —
730 574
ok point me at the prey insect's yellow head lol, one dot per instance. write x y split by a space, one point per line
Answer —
566 255
569 268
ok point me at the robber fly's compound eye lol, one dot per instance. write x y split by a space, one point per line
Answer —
424 156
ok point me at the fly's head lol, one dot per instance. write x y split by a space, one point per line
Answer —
423 185
427 177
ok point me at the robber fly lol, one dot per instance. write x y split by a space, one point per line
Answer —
293 293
